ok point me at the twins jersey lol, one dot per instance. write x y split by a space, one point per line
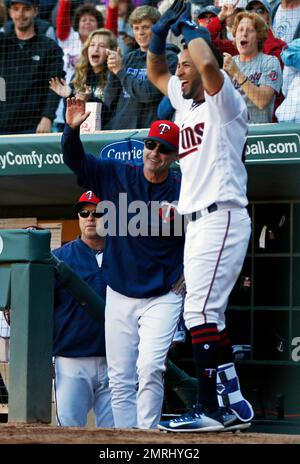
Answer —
261 70
213 136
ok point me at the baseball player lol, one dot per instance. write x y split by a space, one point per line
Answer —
81 381
213 131
143 270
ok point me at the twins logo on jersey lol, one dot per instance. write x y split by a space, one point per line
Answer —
170 222
273 76
167 212
191 138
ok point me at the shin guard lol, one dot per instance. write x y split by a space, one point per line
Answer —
229 393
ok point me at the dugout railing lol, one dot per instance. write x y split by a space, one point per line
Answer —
264 310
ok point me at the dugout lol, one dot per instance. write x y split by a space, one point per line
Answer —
264 311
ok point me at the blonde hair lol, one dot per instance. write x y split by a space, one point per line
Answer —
83 65
144 12
259 25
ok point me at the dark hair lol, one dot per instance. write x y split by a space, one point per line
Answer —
90 9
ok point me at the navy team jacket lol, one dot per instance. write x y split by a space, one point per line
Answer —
141 266
76 334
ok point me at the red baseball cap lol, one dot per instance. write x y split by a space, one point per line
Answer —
86 197
165 132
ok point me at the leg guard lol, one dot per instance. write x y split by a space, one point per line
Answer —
229 393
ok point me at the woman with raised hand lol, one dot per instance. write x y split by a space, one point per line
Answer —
90 76
71 36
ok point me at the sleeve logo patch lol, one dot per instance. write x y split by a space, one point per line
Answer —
273 76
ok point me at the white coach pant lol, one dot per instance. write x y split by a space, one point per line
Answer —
138 333
215 249
81 384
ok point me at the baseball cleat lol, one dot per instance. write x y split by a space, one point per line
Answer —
232 423
196 420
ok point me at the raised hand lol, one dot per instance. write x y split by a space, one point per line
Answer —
227 10
60 87
162 26
76 114
44 126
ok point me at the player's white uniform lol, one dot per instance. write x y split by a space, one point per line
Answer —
212 140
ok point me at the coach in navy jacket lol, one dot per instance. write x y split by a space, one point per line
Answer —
143 272
81 381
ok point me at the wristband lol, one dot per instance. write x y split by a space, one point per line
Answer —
157 44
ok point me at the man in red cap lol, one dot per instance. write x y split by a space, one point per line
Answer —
81 381
142 263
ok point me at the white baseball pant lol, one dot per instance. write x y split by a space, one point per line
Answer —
138 333
215 249
81 384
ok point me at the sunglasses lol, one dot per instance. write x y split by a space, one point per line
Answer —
85 213
151 145
258 10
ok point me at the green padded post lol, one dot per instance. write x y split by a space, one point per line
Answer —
26 268
27 287
30 373
18 245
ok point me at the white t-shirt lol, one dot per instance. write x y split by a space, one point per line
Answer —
71 47
213 136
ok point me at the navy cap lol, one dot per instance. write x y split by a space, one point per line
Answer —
25 2
208 9
265 4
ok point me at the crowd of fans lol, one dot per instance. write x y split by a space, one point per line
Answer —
53 49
